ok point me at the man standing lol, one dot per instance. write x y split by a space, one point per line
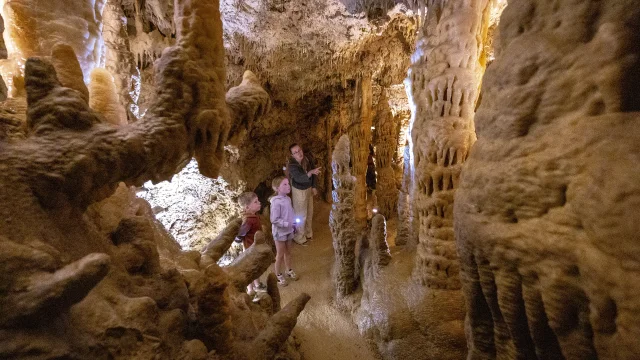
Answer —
303 189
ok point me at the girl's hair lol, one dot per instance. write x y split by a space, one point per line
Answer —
276 182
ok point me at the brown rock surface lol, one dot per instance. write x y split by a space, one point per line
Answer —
546 213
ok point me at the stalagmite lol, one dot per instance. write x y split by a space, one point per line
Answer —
343 229
359 139
251 263
380 255
267 344
386 130
31 298
443 82
68 70
217 247
546 218
406 233
104 98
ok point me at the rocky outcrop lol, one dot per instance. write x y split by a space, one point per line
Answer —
546 211
87 271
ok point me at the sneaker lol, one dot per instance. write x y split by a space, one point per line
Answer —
281 280
251 292
292 274
261 287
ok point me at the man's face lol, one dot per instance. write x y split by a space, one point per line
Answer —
297 153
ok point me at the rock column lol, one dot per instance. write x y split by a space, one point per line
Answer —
360 138
343 228
444 81
386 129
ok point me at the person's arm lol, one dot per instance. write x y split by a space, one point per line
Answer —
314 178
297 173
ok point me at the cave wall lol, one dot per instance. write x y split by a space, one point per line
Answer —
546 213
86 270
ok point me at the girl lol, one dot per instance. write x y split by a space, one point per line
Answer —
282 226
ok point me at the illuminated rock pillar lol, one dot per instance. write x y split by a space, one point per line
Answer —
33 27
444 83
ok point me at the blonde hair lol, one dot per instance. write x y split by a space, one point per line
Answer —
275 183
246 198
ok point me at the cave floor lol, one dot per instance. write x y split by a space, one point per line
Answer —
323 331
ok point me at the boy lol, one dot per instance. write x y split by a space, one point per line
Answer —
250 205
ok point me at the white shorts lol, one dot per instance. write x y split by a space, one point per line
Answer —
286 237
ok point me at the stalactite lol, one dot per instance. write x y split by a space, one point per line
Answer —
360 138
444 80
343 228
386 130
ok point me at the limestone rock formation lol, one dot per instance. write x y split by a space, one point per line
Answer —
378 242
386 130
359 141
87 271
546 212
343 229
444 84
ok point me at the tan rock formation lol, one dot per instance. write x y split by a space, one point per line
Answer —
343 228
406 233
444 82
359 140
84 278
104 97
68 70
386 146
119 59
35 26
378 242
546 213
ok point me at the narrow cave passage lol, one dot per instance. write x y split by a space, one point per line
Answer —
324 331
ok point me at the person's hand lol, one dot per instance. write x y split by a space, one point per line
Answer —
315 171
315 191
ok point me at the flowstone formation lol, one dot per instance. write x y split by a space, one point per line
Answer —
86 270
546 213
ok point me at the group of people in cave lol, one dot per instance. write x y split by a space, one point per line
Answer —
291 217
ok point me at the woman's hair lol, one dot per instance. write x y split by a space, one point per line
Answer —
275 183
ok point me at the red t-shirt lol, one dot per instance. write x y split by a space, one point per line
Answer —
250 225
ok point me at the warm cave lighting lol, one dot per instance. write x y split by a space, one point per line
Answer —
375 210
297 220
373 128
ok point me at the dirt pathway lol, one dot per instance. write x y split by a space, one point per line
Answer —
324 332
